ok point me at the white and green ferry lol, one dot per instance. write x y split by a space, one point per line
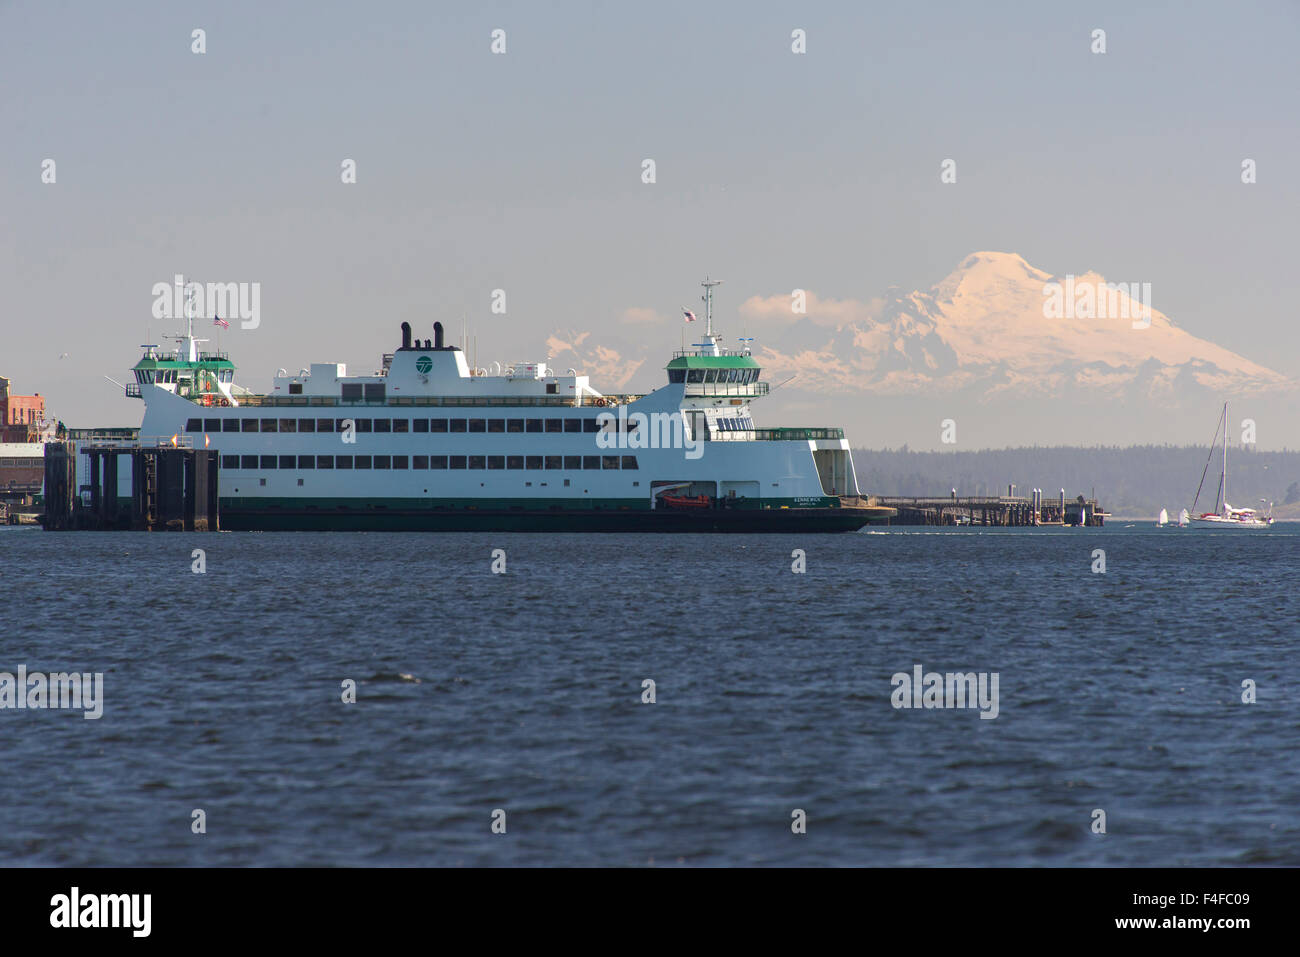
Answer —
429 443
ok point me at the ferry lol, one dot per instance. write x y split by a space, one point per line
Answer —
427 442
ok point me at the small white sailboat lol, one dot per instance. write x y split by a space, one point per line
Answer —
1182 519
1225 516
1163 519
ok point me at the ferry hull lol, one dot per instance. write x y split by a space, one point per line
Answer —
773 520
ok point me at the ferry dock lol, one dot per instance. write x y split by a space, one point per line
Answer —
995 510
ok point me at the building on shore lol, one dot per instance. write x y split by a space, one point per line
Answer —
22 417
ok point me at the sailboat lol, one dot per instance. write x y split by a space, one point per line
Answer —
1224 515
1163 519
1182 519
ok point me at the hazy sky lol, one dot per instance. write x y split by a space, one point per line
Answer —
522 171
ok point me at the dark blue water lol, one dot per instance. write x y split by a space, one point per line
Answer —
522 691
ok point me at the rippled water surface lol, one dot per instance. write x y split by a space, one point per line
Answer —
477 691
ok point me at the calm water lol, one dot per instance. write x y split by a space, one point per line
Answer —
522 691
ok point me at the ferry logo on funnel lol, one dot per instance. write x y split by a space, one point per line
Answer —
641 430
423 365
213 300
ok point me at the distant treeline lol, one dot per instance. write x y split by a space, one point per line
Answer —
1137 480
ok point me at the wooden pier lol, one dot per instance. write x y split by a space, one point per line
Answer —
172 488
995 510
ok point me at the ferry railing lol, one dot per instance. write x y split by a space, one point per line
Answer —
796 435
450 401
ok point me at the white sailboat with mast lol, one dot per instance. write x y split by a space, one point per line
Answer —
1224 515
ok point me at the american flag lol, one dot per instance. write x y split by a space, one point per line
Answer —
690 316
218 321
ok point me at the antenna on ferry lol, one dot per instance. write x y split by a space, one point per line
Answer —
708 285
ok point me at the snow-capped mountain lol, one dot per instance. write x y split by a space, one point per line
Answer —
998 326
1023 355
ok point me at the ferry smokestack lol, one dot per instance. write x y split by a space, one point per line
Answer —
406 335
437 335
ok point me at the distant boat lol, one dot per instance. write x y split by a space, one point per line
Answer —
1163 519
1224 515
1182 519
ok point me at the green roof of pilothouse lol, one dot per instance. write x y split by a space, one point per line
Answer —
712 362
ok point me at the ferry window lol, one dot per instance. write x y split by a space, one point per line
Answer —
324 425
695 375
288 461
383 425
573 425
609 461
295 388
399 461
361 461
514 462
306 425
362 425
193 425
438 462
676 375
629 461
533 425
573 461
419 461
248 425
552 388
514 425
351 392
533 461
496 425
456 461
375 391
324 461
478 461
477 425
554 425
590 425
710 375
383 462
211 425
591 461
438 425
455 425
288 425
267 462
419 425
343 461
554 462
248 461
230 461
496 461
306 461
268 425
401 425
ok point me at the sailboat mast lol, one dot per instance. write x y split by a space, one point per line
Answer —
1224 481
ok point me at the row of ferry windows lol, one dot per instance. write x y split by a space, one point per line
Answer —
740 376
510 462
233 424
163 376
